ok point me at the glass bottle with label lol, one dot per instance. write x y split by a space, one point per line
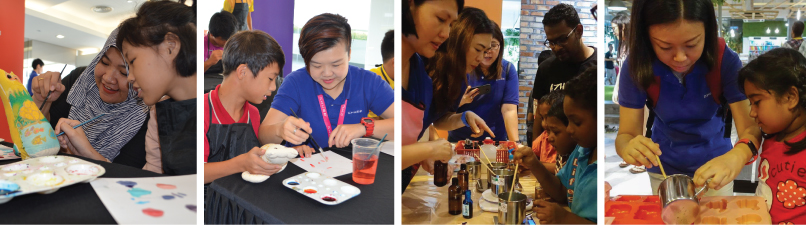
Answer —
440 173
455 197
467 206
463 177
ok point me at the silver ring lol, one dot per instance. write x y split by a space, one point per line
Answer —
295 131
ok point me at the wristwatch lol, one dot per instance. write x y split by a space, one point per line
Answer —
753 149
369 123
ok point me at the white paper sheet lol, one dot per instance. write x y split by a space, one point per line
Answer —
150 200
335 166
388 147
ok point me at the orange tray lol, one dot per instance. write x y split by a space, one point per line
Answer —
502 152
733 210
634 209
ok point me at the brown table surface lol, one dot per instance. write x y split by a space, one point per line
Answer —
424 203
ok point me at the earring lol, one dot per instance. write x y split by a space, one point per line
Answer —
170 52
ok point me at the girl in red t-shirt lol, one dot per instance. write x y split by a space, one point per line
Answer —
775 83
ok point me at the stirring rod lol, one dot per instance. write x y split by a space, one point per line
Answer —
51 91
514 178
661 166
81 124
310 137
377 147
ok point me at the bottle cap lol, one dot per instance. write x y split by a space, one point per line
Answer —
463 166
455 180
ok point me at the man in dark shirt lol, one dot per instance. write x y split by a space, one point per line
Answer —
610 70
571 56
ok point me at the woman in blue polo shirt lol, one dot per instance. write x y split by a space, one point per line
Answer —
332 96
679 48
499 108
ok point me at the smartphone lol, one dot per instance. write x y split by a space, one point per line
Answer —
483 89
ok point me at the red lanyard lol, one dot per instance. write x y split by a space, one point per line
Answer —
327 118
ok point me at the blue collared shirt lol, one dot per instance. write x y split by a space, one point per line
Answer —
580 180
363 90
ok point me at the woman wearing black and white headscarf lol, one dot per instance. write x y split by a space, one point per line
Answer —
118 137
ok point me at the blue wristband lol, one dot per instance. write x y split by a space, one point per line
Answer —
464 118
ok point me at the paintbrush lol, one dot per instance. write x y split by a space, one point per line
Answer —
322 153
51 91
81 124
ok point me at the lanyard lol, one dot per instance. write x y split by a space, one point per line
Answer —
327 118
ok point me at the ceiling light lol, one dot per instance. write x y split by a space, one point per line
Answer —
616 5
768 30
776 30
87 51
101 9
59 36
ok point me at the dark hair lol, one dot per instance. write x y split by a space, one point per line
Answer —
651 12
556 109
322 32
153 21
797 28
223 25
545 54
37 62
561 12
622 21
255 48
448 66
388 45
582 89
408 19
778 70
551 97
494 71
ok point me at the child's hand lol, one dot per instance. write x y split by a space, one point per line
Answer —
343 134
640 151
548 212
721 170
477 124
290 130
305 151
525 155
252 162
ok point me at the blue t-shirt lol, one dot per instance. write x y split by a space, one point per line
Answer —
30 79
687 126
580 180
488 106
363 89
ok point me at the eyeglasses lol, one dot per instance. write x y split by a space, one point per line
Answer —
492 48
561 42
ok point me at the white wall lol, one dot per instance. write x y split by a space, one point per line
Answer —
381 20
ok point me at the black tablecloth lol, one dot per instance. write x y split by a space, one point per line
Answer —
232 200
76 203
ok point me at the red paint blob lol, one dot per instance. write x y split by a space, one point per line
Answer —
329 199
310 191
152 212
312 165
330 167
302 159
166 186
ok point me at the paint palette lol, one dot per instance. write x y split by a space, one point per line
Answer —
45 175
322 189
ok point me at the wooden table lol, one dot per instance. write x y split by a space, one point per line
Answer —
424 203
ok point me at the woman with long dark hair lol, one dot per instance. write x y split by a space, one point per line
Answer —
675 60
